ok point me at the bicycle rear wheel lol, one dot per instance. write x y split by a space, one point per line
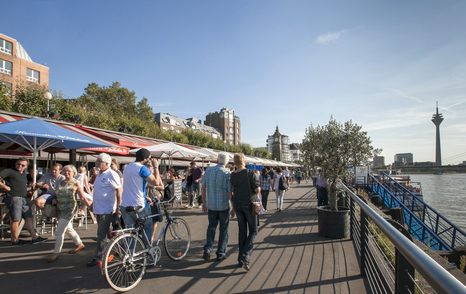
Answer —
177 238
124 262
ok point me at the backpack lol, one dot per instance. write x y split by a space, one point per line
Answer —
282 185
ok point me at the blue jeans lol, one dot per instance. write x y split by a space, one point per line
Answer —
103 228
247 231
221 218
130 219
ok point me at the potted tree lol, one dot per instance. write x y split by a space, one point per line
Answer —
335 148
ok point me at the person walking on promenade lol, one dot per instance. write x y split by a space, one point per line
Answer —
136 176
265 183
321 186
66 207
243 185
278 186
216 198
14 183
107 201
298 176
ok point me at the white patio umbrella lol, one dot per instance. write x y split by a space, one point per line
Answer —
171 151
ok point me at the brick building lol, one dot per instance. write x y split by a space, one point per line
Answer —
16 66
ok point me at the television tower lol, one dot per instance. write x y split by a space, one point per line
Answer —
437 119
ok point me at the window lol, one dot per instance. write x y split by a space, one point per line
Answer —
33 75
7 86
6 46
5 67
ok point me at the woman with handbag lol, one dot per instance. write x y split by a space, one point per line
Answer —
243 185
280 184
67 206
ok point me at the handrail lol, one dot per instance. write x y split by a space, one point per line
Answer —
456 231
439 278
409 214
430 207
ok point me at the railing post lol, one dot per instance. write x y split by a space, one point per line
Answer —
352 216
363 238
404 275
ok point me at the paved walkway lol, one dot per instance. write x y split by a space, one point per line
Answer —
289 257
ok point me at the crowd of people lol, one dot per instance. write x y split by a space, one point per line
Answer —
226 191
222 191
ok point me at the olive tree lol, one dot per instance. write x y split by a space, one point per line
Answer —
335 148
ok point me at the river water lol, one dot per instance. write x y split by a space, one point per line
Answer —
445 193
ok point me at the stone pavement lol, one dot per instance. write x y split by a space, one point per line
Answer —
289 257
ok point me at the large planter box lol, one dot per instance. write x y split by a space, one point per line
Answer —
333 224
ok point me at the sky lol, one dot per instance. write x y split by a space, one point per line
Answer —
285 63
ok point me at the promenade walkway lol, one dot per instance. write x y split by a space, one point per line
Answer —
289 257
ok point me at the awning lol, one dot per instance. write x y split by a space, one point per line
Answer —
122 140
14 150
113 149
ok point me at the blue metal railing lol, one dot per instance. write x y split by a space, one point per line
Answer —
424 223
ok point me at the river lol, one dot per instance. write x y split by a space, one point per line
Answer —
445 193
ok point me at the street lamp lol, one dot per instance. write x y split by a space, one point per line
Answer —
48 96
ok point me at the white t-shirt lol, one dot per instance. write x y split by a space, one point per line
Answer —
134 177
105 186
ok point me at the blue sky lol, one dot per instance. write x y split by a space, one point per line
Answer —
383 64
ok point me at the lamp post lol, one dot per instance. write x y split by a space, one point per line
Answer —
48 96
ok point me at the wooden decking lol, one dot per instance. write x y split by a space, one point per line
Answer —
289 257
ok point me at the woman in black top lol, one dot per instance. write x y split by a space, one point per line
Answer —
243 185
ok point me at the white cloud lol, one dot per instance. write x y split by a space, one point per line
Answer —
330 37
402 94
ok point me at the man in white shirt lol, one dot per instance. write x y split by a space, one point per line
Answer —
136 176
107 202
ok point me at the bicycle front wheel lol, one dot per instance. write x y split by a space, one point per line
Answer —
124 262
177 238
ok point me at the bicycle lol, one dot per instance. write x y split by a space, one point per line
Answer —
126 256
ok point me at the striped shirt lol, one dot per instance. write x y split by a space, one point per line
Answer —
217 184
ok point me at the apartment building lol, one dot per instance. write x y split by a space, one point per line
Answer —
402 159
295 152
16 66
227 123
169 122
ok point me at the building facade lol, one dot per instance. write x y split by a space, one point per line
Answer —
378 161
168 122
402 159
17 67
279 146
295 152
227 123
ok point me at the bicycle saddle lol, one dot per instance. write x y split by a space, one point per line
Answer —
133 208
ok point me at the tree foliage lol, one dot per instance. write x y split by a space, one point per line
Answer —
335 148
262 152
